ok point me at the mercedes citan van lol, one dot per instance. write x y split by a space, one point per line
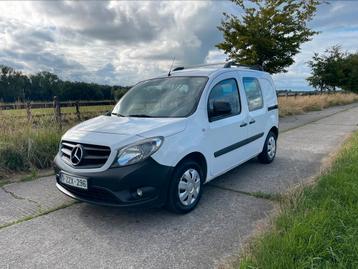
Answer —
170 135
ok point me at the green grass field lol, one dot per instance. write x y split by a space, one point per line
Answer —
318 226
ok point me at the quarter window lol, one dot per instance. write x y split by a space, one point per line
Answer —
225 91
253 93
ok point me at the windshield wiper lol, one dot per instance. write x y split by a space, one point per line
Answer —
139 115
117 114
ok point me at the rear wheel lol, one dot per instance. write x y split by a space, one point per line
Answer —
269 151
186 187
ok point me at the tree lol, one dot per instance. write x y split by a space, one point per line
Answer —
349 68
269 33
44 85
13 84
327 73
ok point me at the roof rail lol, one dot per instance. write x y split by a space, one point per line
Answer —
197 66
222 64
233 63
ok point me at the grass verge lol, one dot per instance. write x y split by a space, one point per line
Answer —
301 104
318 227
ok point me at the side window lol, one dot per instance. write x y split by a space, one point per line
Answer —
253 93
268 91
224 100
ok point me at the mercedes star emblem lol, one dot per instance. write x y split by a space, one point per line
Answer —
76 155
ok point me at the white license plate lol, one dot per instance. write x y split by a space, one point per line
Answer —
77 182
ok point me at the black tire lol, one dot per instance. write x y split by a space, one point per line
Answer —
174 203
265 156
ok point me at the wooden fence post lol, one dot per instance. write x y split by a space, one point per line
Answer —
77 104
57 111
28 111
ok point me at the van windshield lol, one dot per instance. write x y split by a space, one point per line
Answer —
162 97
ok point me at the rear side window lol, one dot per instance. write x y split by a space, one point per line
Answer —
225 91
253 93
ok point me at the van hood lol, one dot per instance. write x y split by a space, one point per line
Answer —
131 126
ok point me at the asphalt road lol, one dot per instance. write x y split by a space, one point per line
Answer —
85 236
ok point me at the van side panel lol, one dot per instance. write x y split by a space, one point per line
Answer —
269 92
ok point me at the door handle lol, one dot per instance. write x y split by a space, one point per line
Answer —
252 121
243 124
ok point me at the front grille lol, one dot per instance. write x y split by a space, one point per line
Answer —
94 156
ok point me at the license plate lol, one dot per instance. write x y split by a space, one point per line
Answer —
77 182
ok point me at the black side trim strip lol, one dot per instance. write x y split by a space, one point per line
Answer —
237 145
272 107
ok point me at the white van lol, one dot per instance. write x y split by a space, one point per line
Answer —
170 135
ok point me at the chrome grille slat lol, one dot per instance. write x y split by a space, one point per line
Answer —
94 156
68 144
66 151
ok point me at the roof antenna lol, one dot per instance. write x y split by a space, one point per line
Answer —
171 67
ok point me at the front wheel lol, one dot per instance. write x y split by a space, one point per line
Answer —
186 187
269 151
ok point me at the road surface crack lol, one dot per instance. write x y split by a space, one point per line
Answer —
259 194
17 197
39 214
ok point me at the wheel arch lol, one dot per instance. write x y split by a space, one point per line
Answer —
197 157
274 129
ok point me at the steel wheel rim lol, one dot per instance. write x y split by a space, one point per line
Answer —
271 147
189 187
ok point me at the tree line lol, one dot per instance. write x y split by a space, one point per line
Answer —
43 86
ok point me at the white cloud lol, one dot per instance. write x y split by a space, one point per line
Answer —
119 42
139 39
215 56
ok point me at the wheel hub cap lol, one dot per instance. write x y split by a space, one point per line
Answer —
189 187
271 147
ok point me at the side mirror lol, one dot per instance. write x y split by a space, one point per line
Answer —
221 108
108 113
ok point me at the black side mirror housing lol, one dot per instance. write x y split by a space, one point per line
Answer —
221 108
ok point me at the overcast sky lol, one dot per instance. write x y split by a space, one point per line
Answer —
124 42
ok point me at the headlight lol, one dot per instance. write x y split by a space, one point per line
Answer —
139 151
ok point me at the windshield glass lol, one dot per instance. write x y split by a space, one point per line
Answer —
162 97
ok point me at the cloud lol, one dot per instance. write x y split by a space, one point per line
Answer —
118 42
136 39
126 22
336 15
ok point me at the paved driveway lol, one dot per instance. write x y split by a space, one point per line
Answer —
85 236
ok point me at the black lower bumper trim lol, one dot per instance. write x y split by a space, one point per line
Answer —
118 186
103 202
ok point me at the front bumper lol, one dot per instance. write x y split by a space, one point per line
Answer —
118 186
